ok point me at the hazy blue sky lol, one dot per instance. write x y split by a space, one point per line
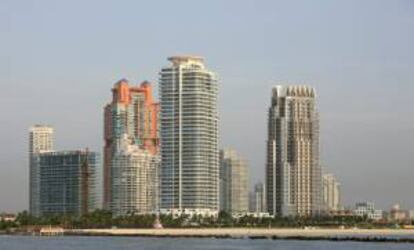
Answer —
59 59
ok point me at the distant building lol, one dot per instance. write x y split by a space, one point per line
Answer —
7 217
134 112
134 176
189 134
259 198
398 215
252 205
40 140
234 182
411 214
342 212
331 193
367 209
67 182
293 172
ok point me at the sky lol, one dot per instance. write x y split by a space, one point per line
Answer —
59 60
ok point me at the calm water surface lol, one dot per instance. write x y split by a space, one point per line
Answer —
127 243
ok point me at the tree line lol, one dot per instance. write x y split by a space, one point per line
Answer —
104 219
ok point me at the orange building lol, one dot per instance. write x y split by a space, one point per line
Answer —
134 112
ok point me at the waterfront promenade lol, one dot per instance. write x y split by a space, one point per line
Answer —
248 232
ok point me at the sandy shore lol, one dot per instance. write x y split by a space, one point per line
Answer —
247 232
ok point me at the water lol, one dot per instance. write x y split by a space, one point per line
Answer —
136 243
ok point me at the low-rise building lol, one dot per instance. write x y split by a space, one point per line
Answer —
399 215
367 209
7 217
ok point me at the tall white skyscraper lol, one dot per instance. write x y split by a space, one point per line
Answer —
234 182
331 192
189 137
40 141
293 173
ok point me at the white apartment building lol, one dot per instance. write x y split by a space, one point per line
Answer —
368 209
189 137
134 180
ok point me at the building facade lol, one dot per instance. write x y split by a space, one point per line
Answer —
189 137
259 198
293 172
234 182
397 214
133 112
134 180
331 193
41 140
67 182
411 214
367 209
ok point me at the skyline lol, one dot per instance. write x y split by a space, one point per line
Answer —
352 122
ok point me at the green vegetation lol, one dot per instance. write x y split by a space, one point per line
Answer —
104 219
6 225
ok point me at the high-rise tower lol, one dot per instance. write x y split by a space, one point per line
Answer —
189 137
331 192
259 198
40 140
134 180
234 182
133 112
293 173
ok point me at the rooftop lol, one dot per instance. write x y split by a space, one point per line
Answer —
186 59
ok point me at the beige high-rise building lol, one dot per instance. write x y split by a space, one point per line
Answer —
234 182
331 192
293 173
40 141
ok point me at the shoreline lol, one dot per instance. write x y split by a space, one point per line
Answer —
360 235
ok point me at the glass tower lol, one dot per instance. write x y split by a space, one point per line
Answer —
67 182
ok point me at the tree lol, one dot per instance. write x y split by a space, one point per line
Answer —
24 219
